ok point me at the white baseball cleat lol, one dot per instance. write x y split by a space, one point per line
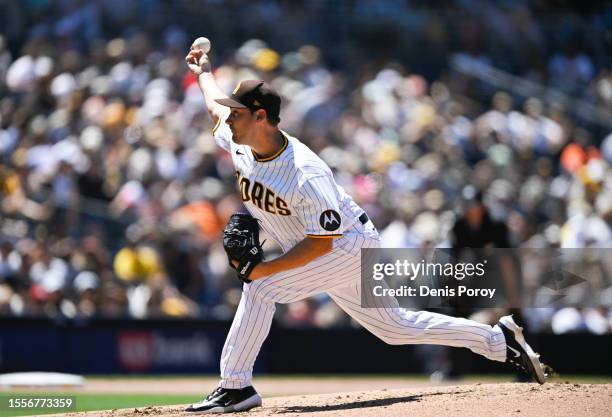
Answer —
224 400
518 352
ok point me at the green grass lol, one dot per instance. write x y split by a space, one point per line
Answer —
92 402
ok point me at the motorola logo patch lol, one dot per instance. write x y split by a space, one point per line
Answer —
330 220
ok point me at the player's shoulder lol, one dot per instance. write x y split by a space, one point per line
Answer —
307 163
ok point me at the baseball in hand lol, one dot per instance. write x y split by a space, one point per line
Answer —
202 44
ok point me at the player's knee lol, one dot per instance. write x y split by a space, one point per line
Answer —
257 291
390 340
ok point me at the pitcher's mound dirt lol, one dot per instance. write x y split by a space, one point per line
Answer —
509 399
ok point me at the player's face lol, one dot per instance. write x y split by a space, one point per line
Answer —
241 123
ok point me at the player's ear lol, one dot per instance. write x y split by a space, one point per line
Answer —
260 115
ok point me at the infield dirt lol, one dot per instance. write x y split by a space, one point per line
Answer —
469 400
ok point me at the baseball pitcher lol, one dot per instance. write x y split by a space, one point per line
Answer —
291 194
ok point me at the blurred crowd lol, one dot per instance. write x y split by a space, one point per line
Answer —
113 195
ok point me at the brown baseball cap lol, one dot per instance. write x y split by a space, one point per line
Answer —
254 95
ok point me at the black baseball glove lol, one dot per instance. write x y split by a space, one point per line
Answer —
241 243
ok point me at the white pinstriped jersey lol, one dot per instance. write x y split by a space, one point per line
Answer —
292 193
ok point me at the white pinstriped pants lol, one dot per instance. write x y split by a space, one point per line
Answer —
338 274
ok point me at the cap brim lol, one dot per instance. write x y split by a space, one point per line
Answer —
231 103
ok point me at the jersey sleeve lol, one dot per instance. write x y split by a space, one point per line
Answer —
222 133
318 208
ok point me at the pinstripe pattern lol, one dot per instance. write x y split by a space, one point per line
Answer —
306 184
337 273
